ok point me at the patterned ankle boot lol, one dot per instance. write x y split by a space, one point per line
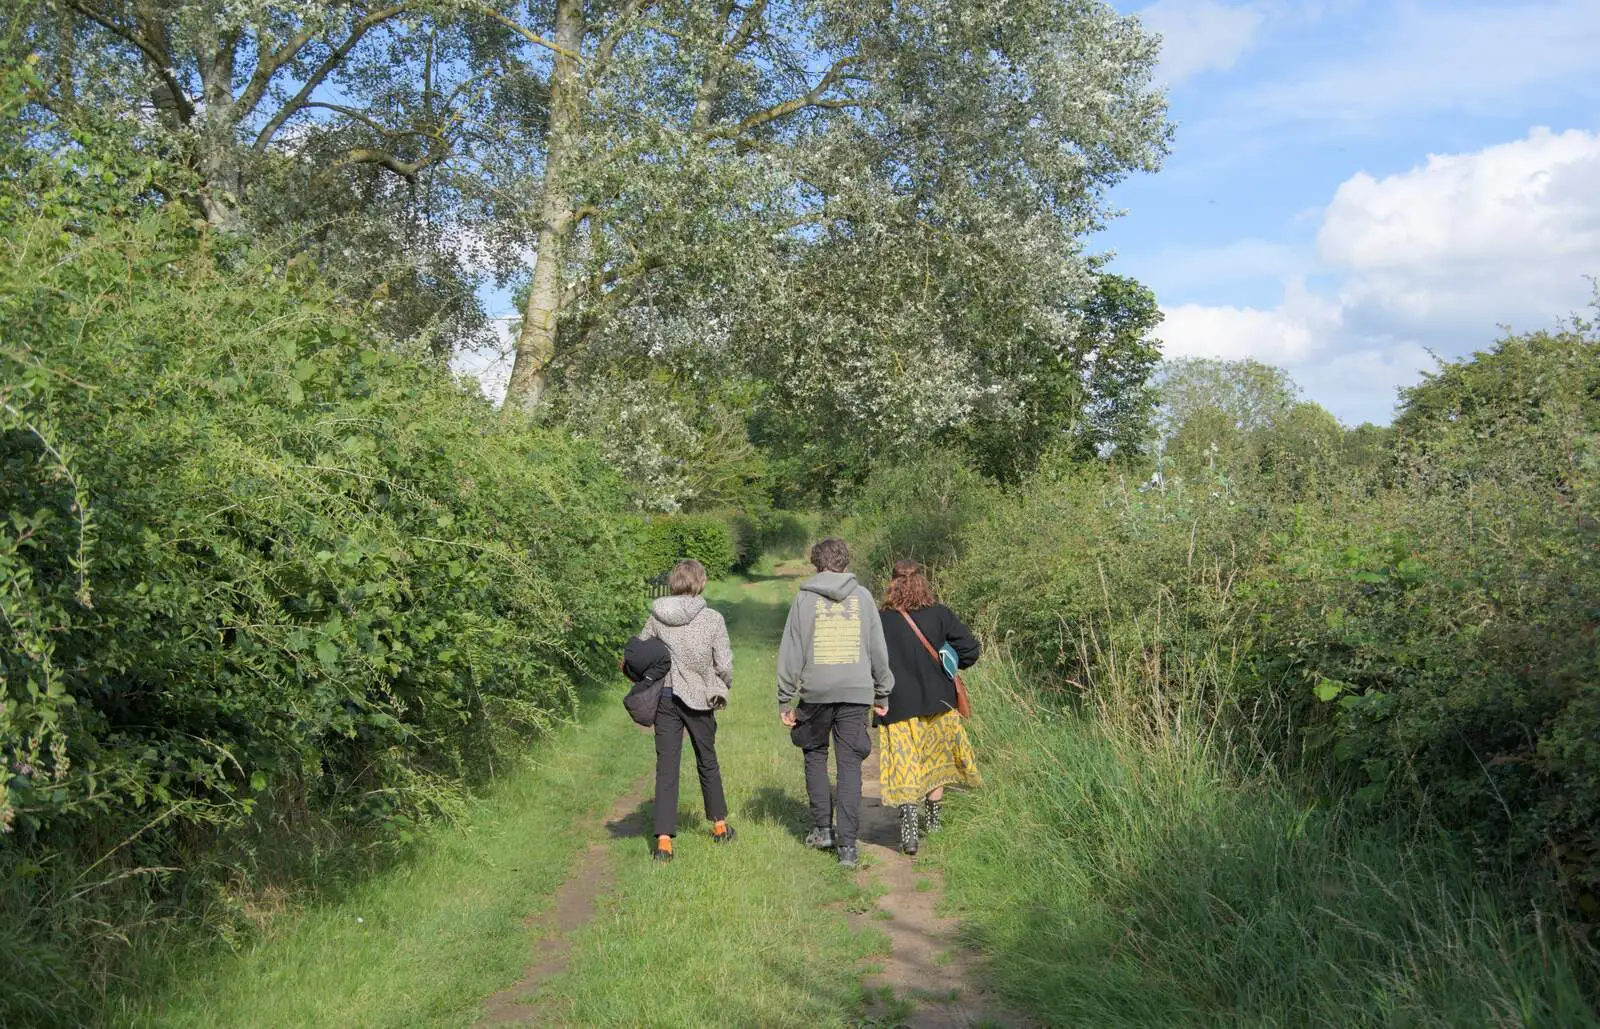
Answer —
930 816
908 828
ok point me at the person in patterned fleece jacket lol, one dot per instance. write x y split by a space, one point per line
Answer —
696 688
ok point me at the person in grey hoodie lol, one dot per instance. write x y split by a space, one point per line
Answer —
696 688
833 666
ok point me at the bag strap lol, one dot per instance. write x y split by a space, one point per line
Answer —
925 644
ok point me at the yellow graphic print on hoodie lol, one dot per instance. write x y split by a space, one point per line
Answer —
836 640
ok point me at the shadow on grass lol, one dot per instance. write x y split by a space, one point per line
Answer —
772 806
752 621
634 825
637 824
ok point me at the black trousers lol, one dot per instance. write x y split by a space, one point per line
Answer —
672 718
846 724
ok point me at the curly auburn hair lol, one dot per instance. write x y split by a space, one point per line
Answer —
908 589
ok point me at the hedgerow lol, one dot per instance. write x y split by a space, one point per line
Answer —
258 569
1416 633
669 539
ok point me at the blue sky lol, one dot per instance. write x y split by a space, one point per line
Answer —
1356 184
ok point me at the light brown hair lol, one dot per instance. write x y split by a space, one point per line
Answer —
908 588
688 577
830 555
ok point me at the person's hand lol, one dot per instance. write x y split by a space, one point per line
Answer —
786 716
881 710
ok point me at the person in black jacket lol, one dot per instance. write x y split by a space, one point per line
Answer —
922 745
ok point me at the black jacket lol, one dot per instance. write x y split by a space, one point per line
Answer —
646 659
920 686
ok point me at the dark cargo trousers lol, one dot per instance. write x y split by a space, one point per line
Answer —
852 741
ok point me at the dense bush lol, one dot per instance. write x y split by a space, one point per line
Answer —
917 510
669 539
785 533
1422 627
257 570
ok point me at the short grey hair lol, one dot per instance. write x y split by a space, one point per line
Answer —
688 578
830 555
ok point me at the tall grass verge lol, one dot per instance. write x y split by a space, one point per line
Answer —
1131 864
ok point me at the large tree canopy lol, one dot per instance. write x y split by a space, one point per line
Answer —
868 216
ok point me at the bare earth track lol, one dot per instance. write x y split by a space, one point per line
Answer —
571 909
928 968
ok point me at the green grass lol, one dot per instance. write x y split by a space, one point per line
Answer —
421 943
1112 881
754 934
751 934
1107 880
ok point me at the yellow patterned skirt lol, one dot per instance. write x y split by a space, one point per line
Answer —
919 755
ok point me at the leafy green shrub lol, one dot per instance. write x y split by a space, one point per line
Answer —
1426 633
917 509
1449 625
258 571
765 531
669 539
745 532
785 533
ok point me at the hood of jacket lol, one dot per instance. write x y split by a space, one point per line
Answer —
836 586
677 610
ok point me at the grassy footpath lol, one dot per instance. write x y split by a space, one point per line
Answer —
1112 880
1108 879
423 943
752 934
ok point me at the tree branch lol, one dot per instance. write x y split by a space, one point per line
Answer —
812 97
160 62
316 78
630 10
526 33
606 277
727 50
371 123
382 158
266 68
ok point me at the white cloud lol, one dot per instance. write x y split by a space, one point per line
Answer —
1201 35
1285 335
1504 233
1434 258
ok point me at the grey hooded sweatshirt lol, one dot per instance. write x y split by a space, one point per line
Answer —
697 638
832 650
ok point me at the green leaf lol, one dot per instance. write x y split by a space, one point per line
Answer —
1328 690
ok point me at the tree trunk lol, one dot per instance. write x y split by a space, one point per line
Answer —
536 342
218 158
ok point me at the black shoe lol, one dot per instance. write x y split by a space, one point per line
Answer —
908 829
848 859
820 838
930 816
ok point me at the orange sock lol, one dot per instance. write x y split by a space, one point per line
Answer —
720 828
664 844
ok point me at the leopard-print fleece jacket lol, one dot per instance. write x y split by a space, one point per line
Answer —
702 657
